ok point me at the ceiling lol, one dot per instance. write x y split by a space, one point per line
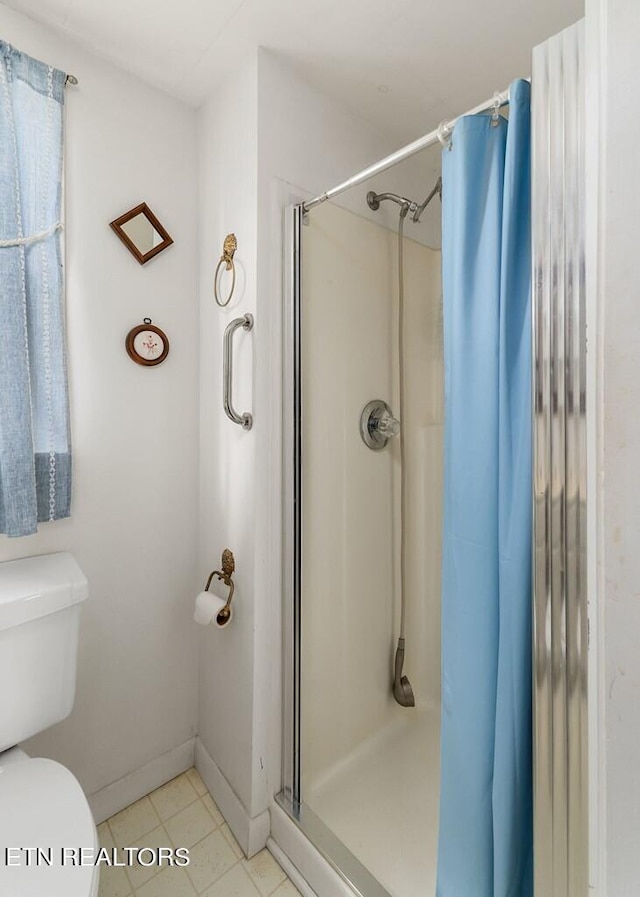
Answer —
403 65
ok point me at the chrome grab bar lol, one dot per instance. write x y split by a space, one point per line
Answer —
245 420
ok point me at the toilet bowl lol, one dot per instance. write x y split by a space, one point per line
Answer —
45 819
45 810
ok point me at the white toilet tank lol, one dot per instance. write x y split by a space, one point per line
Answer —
40 600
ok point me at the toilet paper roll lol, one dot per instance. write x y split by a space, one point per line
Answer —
207 608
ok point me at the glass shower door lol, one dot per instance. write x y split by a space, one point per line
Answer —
367 769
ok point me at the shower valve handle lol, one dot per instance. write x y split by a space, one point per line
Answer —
387 425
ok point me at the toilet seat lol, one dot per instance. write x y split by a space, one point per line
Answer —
43 806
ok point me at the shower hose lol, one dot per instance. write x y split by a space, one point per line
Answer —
402 691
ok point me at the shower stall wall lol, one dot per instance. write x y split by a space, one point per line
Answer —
350 509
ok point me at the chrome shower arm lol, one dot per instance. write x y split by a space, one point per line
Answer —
374 199
417 212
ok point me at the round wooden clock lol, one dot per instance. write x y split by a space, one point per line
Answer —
146 344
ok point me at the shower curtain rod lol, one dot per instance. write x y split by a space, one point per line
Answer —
443 130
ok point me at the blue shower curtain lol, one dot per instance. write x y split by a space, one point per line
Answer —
485 839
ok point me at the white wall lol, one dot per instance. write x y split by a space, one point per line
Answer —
310 141
620 439
228 146
133 523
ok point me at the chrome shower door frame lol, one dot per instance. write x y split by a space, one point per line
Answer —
560 467
292 511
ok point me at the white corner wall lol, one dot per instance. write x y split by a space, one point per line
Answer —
134 512
228 146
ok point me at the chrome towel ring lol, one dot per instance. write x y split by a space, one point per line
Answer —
244 420
228 250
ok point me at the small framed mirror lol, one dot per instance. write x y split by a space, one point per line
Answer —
141 232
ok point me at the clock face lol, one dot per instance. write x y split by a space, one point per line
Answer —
148 345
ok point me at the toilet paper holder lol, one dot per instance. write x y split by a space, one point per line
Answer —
228 565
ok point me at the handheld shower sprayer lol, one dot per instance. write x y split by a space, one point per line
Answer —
402 691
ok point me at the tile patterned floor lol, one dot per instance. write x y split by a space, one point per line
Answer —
182 813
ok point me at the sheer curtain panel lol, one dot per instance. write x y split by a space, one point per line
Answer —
35 451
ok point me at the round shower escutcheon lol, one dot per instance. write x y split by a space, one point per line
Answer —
377 424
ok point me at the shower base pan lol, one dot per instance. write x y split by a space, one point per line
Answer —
375 816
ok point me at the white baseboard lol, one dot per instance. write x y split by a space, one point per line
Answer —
251 833
137 784
312 868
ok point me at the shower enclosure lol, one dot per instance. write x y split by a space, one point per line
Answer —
359 749
361 770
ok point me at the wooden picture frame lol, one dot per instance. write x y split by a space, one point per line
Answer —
135 346
117 226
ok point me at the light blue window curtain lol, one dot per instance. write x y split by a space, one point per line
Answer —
485 839
35 454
